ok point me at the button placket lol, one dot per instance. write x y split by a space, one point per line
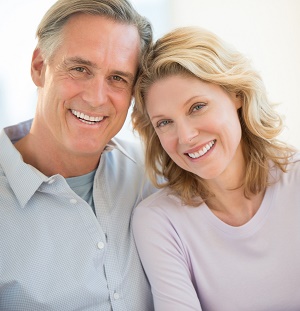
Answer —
73 201
116 296
100 245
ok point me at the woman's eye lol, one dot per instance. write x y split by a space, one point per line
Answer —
163 123
198 107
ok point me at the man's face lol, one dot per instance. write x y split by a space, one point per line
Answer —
86 88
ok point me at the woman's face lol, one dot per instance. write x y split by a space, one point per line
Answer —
197 124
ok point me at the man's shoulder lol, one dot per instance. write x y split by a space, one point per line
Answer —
122 167
124 158
17 131
131 149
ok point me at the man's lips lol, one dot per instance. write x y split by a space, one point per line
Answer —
85 118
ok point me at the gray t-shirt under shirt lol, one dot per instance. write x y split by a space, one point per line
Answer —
83 186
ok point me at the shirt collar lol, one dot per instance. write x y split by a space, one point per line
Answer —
115 144
24 179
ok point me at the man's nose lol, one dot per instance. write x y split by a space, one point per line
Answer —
96 92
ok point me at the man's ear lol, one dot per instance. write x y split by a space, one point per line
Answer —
38 68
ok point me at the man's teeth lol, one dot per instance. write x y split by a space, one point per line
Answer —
85 118
202 152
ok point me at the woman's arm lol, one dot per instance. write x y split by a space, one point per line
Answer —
165 260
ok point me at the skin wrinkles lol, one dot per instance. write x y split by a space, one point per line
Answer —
77 62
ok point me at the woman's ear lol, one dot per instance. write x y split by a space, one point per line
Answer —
37 68
238 99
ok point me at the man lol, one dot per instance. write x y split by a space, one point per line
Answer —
67 188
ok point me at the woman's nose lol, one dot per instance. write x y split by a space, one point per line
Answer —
186 132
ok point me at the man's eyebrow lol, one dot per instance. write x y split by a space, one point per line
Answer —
79 60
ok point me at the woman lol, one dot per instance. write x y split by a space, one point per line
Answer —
224 231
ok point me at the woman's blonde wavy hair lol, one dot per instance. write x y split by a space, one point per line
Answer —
197 52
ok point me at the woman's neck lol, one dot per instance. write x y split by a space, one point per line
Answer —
233 208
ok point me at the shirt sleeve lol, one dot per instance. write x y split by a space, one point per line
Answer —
165 260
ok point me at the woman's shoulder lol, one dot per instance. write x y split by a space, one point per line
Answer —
294 163
295 157
291 177
162 198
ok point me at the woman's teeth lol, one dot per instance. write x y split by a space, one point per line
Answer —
203 151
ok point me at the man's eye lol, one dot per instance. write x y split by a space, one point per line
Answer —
79 69
117 78
80 72
118 82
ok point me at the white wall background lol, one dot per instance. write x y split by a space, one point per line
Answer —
268 31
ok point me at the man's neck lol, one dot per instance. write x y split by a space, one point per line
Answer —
51 161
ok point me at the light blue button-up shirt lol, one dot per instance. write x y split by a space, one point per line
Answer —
55 254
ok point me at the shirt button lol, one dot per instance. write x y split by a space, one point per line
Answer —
73 201
100 245
51 181
116 296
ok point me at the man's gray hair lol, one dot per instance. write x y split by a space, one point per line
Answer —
49 32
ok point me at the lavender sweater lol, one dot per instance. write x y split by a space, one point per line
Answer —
194 261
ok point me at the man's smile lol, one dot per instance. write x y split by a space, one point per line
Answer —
85 118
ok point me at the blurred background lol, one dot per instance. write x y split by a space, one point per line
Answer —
267 31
